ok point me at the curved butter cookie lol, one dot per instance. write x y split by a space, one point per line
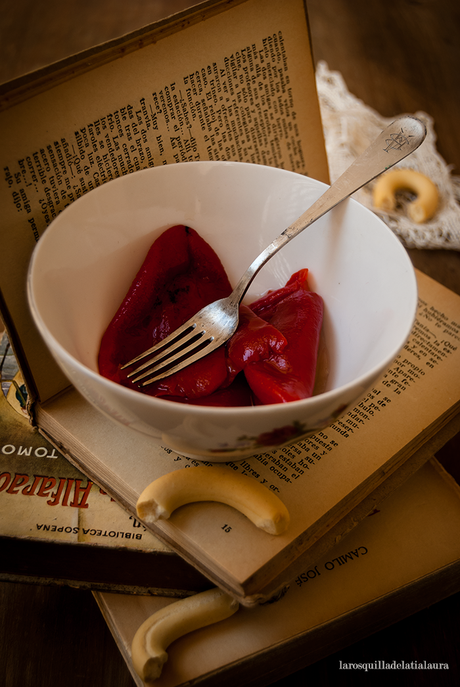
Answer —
189 485
148 649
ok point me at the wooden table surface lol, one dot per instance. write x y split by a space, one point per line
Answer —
397 56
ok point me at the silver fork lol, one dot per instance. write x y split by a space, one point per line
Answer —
214 324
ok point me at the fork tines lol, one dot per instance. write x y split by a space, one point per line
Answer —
171 354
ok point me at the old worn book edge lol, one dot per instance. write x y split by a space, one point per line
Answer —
26 86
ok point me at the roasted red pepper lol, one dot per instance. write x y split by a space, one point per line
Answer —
254 340
180 275
297 313
270 359
237 394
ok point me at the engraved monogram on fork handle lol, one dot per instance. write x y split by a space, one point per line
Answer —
215 323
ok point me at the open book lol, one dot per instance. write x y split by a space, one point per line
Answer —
184 90
180 90
329 482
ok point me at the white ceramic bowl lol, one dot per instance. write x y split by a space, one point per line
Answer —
84 263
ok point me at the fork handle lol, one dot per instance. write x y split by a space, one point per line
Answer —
395 143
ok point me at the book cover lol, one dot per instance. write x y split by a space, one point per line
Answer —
57 526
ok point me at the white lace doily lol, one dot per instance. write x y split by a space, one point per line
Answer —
350 126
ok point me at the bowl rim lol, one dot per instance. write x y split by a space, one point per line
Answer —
363 380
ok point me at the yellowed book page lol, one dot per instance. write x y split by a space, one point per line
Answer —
320 479
413 534
234 85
